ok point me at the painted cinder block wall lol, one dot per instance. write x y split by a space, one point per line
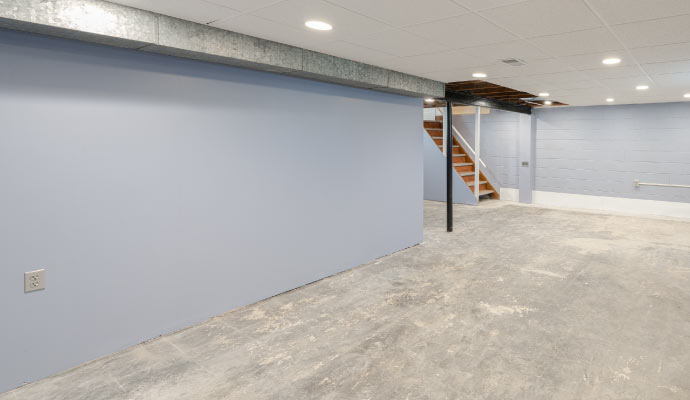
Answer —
499 144
158 192
594 151
600 150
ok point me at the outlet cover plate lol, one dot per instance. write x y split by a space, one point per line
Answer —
34 280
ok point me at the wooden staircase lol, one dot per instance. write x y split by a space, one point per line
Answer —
461 162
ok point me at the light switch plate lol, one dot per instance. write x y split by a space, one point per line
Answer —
34 280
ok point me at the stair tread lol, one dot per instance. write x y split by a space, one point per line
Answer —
471 183
462 164
434 129
485 192
466 173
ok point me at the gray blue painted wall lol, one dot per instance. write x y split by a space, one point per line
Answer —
499 144
435 176
158 192
601 150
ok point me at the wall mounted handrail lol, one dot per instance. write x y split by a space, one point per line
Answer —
638 184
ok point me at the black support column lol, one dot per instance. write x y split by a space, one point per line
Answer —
449 166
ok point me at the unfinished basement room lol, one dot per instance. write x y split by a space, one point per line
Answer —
345 200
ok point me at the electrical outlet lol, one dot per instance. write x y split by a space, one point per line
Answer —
34 280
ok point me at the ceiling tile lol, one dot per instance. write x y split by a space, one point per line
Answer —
537 67
526 84
446 75
622 11
453 59
399 13
475 57
614 72
597 40
565 79
265 29
500 70
245 5
561 94
398 43
491 53
478 5
463 31
354 52
579 84
654 33
544 17
667 67
296 12
493 71
585 100
626 83
680 81
443 40
199 11
671 52
594 60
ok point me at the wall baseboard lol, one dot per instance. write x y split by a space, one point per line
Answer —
612 204
510 194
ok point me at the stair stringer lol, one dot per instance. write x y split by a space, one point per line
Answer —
435 176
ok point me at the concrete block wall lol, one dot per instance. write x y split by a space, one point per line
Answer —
499 147
600 150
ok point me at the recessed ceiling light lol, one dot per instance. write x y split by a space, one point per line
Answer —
610 100
544 94
642 87
611 61
429 100
318 25
548 102
687 95
479 75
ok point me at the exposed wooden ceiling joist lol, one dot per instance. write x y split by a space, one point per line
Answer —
492 91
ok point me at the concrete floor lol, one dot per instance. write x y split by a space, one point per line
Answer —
518 303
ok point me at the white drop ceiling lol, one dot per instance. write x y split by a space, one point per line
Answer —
562 41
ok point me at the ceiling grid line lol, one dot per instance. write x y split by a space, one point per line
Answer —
562 41
613 33
521 37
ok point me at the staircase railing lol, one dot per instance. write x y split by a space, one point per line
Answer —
475 156
459 136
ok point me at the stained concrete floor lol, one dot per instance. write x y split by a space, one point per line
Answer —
518 303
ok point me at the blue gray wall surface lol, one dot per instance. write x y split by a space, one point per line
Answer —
158 192
499 144
435 177
601 150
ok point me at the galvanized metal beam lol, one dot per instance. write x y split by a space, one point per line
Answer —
112 24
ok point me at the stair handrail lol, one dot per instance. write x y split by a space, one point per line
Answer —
458 135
